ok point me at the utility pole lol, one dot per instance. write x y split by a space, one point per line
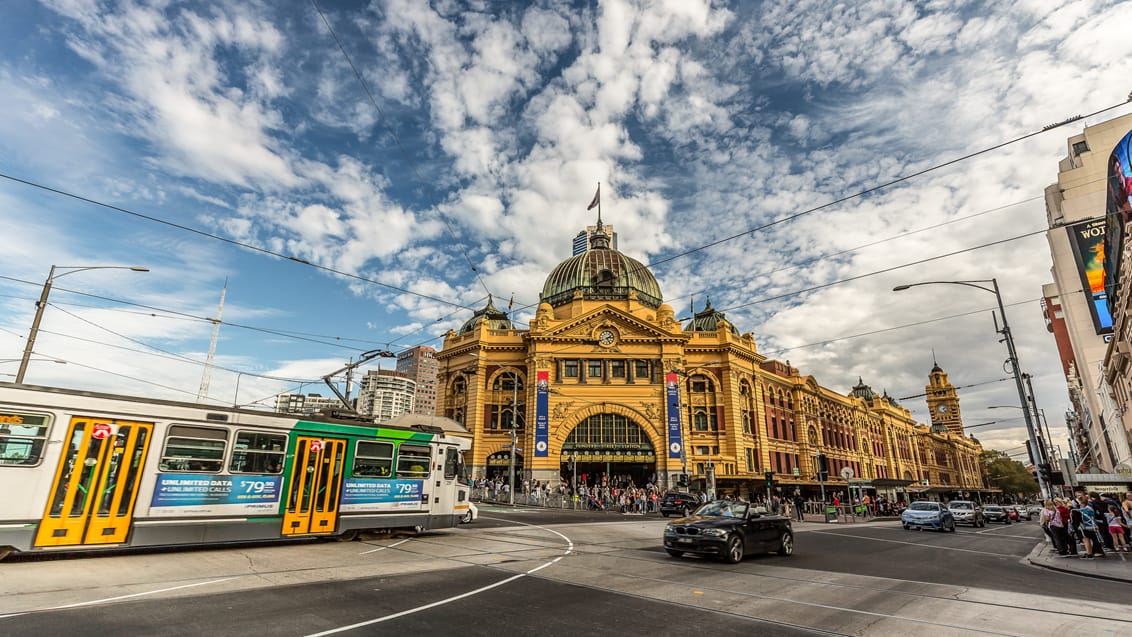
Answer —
514 420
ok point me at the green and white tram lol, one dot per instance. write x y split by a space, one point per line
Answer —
83 470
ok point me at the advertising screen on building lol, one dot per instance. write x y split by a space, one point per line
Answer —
1088 241
1118 212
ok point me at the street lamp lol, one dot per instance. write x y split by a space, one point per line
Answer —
51 276
1013 355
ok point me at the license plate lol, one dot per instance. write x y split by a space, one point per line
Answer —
684 540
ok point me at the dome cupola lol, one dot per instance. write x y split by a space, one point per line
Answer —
601 273
493 317
708 320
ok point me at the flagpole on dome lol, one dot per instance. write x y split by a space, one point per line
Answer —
596 202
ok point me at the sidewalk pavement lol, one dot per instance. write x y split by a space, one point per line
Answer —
1116 566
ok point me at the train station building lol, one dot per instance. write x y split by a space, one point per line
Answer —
606 383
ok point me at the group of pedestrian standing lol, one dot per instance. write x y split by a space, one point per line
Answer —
1098 523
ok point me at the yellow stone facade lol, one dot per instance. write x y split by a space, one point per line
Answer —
607 349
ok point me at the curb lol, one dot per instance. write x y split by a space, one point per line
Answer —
1051 565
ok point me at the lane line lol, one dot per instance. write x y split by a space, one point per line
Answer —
120 597
449 600
382 548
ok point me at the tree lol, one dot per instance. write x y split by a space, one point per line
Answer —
1009 475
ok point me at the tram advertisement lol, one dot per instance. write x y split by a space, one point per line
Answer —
364 494
175 493
675 439
542 416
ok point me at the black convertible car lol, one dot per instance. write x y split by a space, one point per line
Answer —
729 530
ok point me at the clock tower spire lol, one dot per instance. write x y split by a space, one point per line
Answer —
943 402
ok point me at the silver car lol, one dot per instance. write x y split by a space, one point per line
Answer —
967 512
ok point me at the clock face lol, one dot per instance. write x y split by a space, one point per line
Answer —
606 338
942 409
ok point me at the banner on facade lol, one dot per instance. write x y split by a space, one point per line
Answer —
542 415
1088 241
675 439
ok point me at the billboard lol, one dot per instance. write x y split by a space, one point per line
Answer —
1088 241
1118 212
675 437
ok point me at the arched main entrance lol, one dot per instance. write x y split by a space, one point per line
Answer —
608 447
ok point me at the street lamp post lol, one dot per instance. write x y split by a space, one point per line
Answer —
42 303
1013 357
514 438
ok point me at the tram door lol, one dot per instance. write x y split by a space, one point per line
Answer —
316 480
96 484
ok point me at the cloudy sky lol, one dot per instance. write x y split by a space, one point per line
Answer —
365 185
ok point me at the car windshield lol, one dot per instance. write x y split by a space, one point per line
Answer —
723 509
966 506
924 506
992 508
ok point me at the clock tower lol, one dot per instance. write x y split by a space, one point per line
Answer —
943 403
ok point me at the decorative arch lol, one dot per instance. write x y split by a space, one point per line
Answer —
503 385
571 422
456 399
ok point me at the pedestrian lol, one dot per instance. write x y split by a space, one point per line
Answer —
1069 536
1116 528
1085 520
1099 509
799 507
1046 518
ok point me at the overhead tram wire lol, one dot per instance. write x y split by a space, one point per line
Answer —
396 138
884 185
241 244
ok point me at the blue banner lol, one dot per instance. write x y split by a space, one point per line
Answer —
542 416
675 438
378 491
194 489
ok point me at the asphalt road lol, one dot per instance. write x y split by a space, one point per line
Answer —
527 572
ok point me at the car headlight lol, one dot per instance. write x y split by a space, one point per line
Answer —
668 528
714 532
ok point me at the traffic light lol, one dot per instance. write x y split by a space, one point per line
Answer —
1045 469
823 468
683 481
769 475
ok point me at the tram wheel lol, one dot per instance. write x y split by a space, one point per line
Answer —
5 551
347 536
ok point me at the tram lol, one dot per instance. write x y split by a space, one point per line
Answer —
83 470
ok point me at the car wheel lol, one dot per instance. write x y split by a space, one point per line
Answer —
734 553
675 553
665 514
786 545
907 528
951 529
467 519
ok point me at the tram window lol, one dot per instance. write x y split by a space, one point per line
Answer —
413 461
452 463
22 438
194 449
373 459
256 452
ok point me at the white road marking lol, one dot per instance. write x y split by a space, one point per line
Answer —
120 597
378 620
382 548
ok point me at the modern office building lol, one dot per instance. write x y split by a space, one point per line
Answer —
419 363
289 403
607 384
583 239
385 394
1081 237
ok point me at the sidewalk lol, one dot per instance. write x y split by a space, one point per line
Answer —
1117 566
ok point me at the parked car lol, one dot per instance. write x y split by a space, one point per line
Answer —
996 513
730 531
932 515
472 513
681 504
967 512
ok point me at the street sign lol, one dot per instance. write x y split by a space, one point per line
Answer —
847 473
797 472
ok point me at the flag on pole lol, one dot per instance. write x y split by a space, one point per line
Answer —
596 200
511 304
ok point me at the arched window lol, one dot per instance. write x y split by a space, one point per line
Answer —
604 279
702 403
747 407
457 399
507 386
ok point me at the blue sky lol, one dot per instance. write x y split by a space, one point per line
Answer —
475 138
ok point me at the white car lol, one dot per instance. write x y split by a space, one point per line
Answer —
471 515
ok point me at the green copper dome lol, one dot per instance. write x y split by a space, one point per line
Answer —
707 320
495 319
601 273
